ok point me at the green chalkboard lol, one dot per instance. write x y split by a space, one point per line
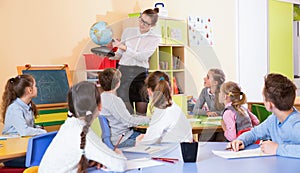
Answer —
53 83
52 86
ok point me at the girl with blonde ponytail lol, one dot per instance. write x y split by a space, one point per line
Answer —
236 118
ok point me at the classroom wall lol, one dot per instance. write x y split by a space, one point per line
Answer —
56 32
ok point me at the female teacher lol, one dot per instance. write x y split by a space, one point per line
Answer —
134 50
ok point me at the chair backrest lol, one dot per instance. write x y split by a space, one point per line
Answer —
37 145
260 111
33 169
105 131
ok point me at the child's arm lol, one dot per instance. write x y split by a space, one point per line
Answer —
229 118
254 119
120 112
199 104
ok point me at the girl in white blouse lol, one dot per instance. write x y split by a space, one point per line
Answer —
76 146
168 122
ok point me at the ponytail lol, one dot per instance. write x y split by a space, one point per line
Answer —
84 163
158 82
15 88
83 101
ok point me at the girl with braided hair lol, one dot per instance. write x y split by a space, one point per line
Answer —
76 147
236 118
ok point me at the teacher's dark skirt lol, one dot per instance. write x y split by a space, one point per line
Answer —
132 87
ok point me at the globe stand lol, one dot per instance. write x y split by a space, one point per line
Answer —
103 51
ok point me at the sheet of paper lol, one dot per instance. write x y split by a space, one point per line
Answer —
215 118
240 154
218 123
194 119
142 163
145 149
4 137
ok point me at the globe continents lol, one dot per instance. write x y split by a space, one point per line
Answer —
100 34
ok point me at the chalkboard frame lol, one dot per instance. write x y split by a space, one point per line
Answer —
63 67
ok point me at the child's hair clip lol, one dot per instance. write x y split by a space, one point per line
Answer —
161 78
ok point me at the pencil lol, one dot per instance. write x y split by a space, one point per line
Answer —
116 146
230 148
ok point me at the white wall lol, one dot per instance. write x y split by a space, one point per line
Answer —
252 43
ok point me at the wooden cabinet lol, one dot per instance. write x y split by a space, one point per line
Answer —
172 31
170 59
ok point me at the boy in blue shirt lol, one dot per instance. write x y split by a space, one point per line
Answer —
282 128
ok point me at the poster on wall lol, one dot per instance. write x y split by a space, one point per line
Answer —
200 31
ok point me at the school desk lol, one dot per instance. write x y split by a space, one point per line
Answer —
207 162
12 148
200 125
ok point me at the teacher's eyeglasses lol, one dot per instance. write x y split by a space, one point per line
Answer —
142 21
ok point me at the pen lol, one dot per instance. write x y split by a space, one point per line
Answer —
230 148
119 141
148 148
169 160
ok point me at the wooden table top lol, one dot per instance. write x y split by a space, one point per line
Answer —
12 148
199 123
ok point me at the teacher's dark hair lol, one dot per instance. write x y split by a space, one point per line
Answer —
153 14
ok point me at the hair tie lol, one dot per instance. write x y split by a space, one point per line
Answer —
88 113
70 114
241 93
83 152
161 78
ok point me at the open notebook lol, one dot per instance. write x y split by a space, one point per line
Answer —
241 154
145 149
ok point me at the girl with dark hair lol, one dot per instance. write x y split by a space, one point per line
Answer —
168 122
134 50
18 110
75 146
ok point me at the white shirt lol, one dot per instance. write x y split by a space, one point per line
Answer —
168 125
120 120
64 153
140 47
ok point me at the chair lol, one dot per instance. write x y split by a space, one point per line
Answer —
105 131
33 169
37 146
260 111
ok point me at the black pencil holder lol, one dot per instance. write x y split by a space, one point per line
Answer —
189 151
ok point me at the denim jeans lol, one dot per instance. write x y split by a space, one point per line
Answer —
130 142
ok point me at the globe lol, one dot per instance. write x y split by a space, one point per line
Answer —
100 34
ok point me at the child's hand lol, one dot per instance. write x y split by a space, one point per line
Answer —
235 145
96 164
117 150
269 147
139 138
211 114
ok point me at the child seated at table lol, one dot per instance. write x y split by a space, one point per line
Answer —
282 128
18 110
236 118
76 146
210 94
168 122
114 109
